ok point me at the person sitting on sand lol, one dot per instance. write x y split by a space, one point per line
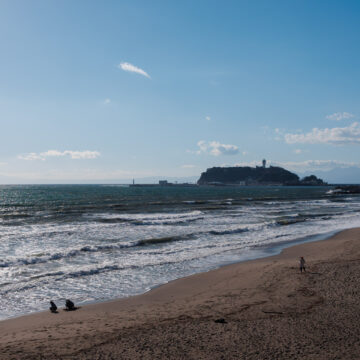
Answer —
53 307
69 305
302 264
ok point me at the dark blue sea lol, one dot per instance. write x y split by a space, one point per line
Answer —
93 243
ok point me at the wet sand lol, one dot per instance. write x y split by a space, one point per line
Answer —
266 309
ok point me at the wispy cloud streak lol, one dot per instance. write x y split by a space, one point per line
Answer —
340 116
77 155
132 68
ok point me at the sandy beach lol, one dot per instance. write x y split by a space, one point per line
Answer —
266 309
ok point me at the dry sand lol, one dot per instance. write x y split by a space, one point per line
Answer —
272 311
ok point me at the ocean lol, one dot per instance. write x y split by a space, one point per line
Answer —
93 243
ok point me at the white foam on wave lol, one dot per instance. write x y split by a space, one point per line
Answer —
150 216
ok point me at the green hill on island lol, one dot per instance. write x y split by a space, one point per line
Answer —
259 175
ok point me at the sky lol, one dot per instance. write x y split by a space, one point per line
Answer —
108 91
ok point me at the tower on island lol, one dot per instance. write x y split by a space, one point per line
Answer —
264 163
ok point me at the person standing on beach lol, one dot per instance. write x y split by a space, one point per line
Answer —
302 264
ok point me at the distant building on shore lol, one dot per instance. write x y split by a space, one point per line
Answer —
164 183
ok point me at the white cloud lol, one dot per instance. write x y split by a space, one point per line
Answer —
82 154
333 136
132 68
245 153
297 151
188 166
55 153
107 101
215 148
340 116
52 153
30 157
208 118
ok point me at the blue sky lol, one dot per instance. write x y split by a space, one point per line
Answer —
102 91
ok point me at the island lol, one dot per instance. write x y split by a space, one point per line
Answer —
259 175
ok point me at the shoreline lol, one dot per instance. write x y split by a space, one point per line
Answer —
243 294
269 251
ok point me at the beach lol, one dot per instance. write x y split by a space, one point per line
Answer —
260 309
